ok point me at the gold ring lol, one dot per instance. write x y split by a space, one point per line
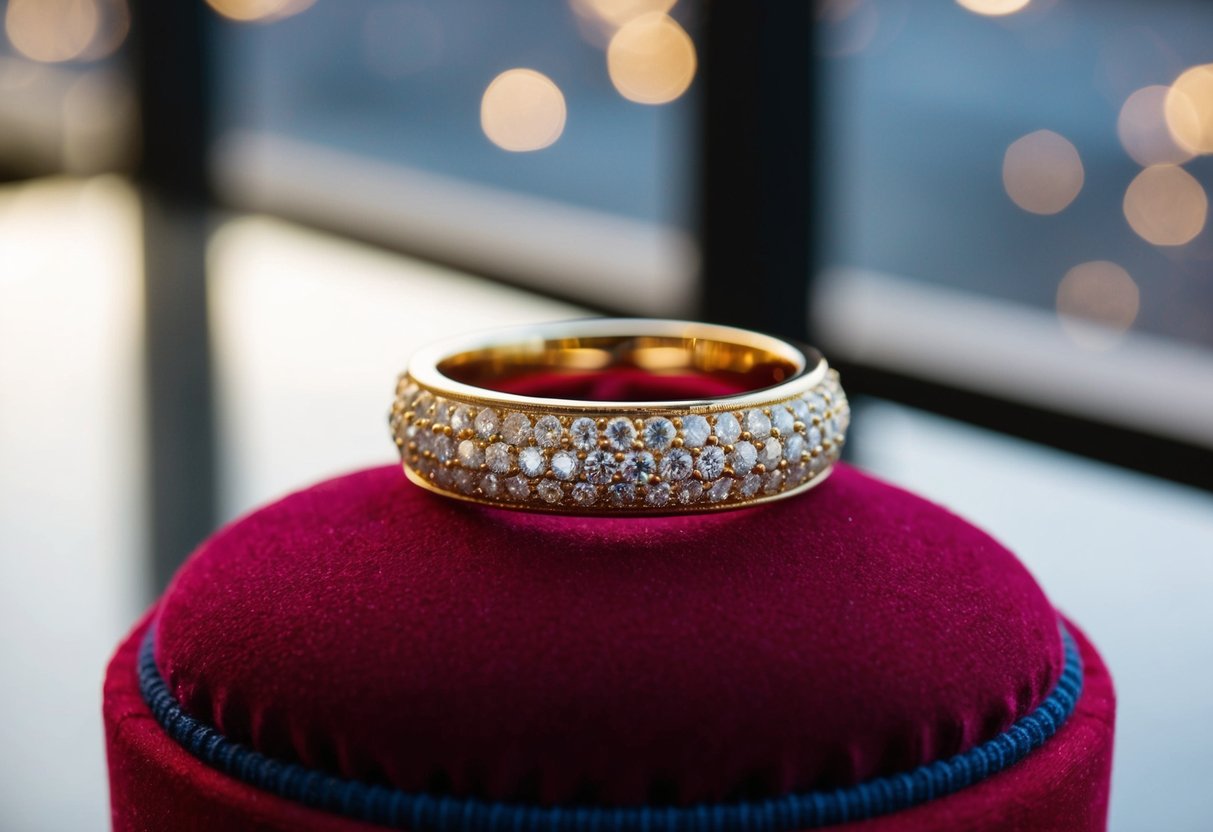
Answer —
467 427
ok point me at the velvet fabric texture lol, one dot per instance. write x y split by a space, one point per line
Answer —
370 629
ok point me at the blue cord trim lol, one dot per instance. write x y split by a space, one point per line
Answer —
422 812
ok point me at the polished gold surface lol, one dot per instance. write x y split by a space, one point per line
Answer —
462 434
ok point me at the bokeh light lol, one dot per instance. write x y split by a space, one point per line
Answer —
1042 172
1189 109
1143 131
993 8
618 12
522 110
261 11
651 60
1165 205
1097 302
52 31
847 27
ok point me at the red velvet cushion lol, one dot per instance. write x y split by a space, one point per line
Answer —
371 629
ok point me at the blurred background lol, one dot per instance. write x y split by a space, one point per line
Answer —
225 225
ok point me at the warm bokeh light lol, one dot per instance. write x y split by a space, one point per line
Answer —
522 110
259 10
1165 205
52 30
1143 131
651 60
1042 172
1189 109
993 8
1096 303
618 12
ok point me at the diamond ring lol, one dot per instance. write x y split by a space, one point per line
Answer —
512 418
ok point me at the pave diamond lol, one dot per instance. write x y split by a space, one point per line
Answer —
599 466
531 461
800 408
487 423
465 480
490 485
658 495
622 493
620 433
782 420
638 466
711 462
758 424
584 494
519 487
461 419
565 465
470 455
793 447
658 433
695 431
443 448
814 436
690 492
585 433
773 482
499 457
728 429
676 465
750 485
550 491
516 429
547 431
720 490
772 452
743 457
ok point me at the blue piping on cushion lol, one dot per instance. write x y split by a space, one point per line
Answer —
422 812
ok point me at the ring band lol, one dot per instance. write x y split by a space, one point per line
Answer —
464 432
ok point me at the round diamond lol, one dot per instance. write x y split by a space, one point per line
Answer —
443 448
690 493
727 428
658 433
676 465
797 472
445 477
490 485
793 447
620 433
773 482
585 433
711 462
547 431
550 491
487 423
816 401
743 457
584 494
750 485
516 429
470 455
658 495
461 419
720 490
531 461
782 420
519 487
695 431
622 493
638 466
814 437
600 466
499 457
772 452
758 424
801 410
465 481
565 465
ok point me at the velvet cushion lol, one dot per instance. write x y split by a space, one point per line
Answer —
368 628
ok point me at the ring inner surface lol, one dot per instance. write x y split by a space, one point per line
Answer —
575 367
